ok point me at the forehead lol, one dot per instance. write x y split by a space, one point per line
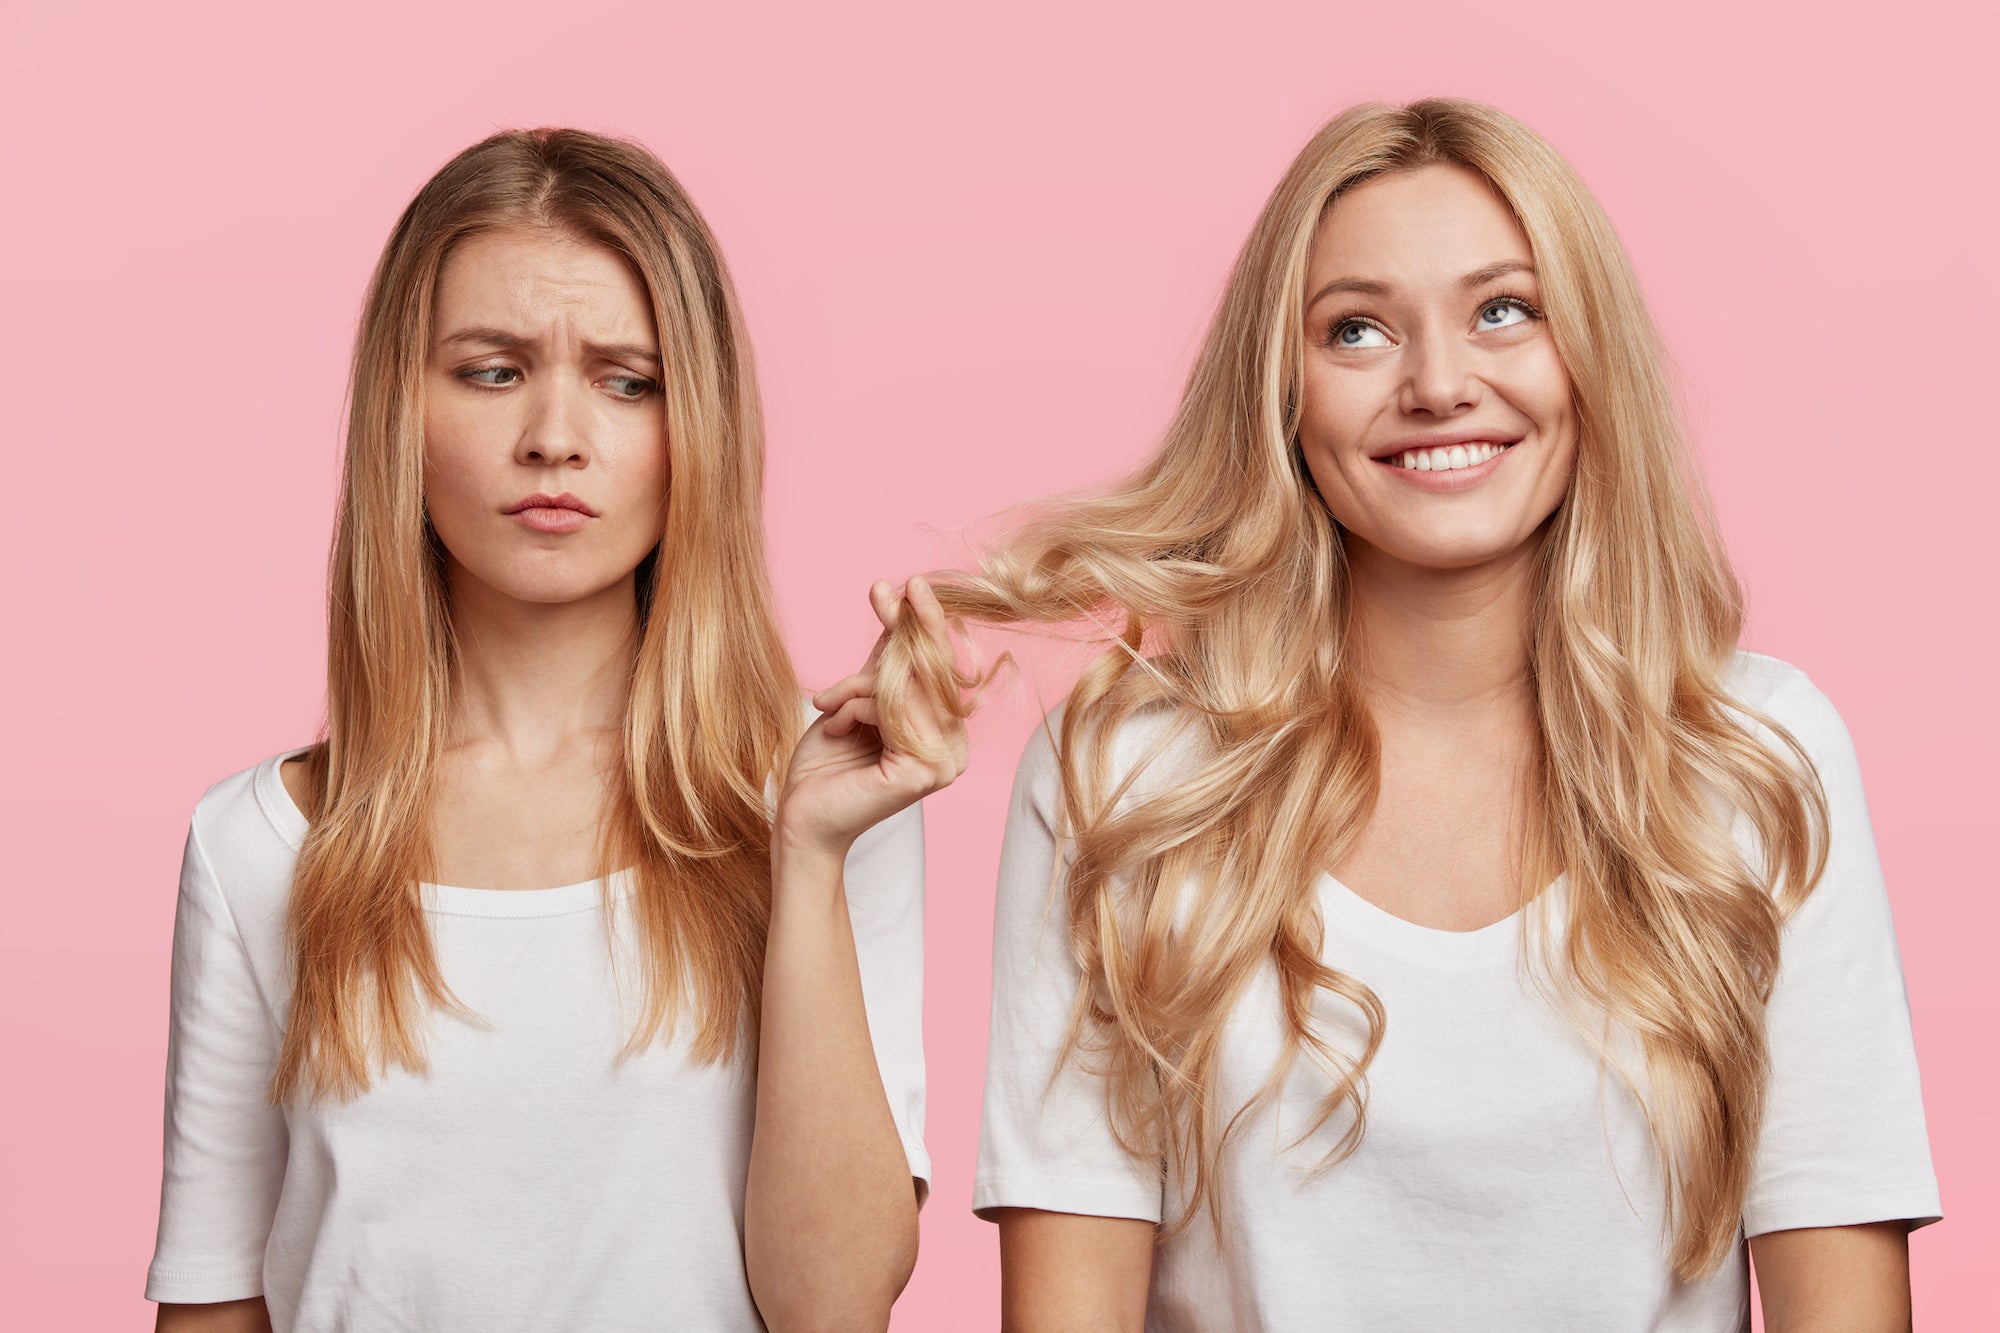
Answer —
1421 226
525 279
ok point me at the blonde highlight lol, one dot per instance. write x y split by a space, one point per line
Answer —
1220 577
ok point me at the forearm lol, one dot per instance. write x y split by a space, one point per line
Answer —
247 1316
830 1219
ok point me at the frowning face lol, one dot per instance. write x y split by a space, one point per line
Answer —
545 457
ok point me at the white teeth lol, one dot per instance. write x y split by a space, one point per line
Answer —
1448 459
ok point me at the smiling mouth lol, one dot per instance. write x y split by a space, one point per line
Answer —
1445 458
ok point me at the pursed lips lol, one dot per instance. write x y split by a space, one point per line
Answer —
552 513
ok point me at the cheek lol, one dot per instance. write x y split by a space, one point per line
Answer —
460 475
1549 401
635 451
451 459
1333 405
1334 414
1540 389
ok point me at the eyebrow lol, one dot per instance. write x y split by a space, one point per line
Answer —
485 336
1479 277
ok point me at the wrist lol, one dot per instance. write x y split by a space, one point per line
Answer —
799 854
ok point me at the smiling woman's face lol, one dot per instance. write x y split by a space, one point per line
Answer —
1436 417
545 458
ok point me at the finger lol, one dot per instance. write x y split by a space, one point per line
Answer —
838 693
856 712
882 597
930 612
931 615
888 605
953 746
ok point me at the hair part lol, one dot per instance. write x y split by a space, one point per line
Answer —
1221 575
714 707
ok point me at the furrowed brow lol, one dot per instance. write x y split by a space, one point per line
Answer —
628 352
486 337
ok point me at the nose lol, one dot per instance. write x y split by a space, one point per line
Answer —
557 429
1438 380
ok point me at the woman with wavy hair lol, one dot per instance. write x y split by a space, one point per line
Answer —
572 980
1422 914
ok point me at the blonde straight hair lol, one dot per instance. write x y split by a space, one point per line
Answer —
714 708
1221 574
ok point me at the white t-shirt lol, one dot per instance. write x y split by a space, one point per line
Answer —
1505 1181
528 1181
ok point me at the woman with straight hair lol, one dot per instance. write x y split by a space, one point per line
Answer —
572 980
1423 914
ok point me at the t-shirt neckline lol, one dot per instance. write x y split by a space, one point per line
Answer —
1430 943
447 899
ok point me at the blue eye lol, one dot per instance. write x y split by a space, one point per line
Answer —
1354 333
1504 313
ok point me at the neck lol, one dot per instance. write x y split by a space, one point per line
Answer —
1437 642
534 678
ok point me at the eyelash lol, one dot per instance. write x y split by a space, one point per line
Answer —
646 386
1519 302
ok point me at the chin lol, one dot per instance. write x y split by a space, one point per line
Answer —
546 586
539 596
1462 548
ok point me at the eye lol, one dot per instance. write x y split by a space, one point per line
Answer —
1356 333
632 386
479 376
1506 312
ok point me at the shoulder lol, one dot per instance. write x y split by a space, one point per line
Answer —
1766 692
1759 680
1143 751
245 833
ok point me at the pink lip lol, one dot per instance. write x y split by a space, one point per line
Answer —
1442 440
552 513
1457 479
1443 483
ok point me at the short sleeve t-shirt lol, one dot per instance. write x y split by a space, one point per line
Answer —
530 1179
1506 1180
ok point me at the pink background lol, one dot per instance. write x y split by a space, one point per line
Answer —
977 248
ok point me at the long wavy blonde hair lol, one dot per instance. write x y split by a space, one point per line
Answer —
714 707
1220 574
